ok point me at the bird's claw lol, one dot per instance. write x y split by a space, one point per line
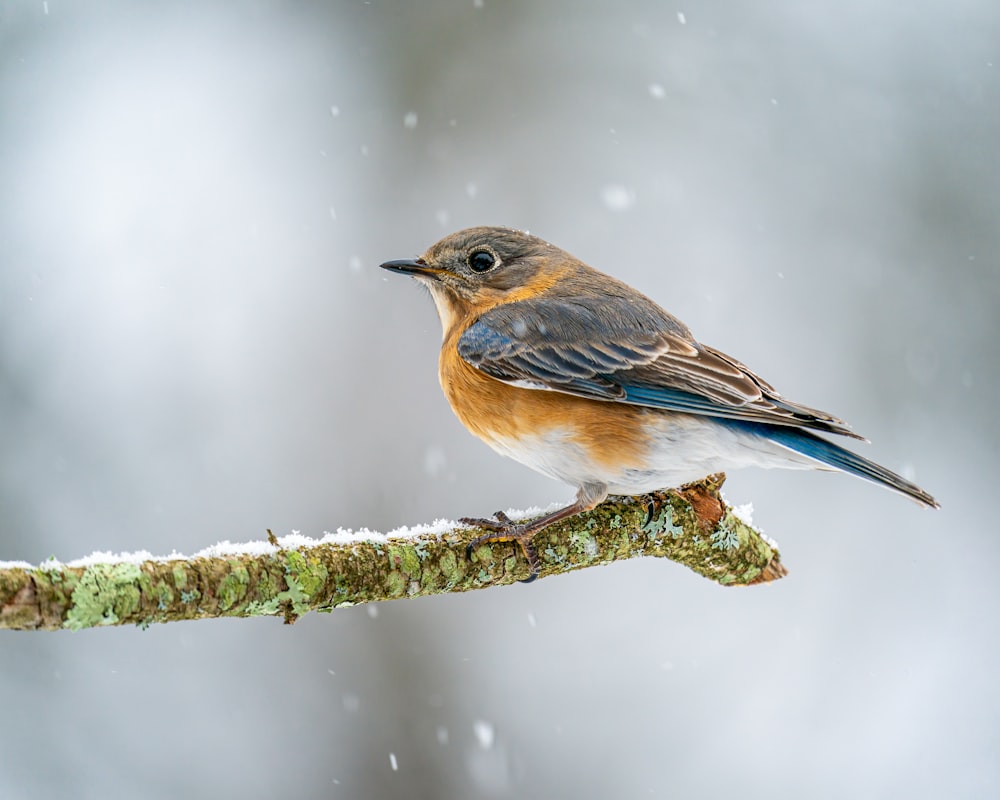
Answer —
503 529
653 503
500 522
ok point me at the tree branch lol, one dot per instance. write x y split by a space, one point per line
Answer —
290 576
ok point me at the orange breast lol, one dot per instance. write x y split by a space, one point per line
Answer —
610 434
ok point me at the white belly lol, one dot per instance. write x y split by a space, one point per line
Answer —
681 449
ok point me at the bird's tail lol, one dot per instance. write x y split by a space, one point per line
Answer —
813 446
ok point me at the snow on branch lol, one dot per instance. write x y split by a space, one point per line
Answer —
292 575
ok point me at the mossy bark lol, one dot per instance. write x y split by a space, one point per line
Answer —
691 526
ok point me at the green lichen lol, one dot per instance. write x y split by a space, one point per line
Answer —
725 539
663 524
584 543
267 608
164 595
395 584
449 567
308 574
267 586
305 578
405 557
293 600
483 554
105 594
60 585
341 588
233 587
180 576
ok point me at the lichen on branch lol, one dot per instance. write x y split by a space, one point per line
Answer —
290 576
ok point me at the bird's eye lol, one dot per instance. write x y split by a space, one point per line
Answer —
482 261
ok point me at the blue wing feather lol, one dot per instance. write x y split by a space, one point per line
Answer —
624 350
833 455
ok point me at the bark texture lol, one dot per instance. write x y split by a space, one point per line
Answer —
692 526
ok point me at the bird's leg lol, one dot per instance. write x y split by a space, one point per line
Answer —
503 529
498 523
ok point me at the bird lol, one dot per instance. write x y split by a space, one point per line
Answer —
584 379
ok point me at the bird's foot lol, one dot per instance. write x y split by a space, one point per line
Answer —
503 529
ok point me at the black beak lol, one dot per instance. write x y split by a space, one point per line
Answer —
410 266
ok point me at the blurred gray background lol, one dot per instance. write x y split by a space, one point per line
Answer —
196 344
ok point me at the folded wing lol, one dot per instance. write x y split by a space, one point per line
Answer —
625 349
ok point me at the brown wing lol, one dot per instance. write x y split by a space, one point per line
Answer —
626 349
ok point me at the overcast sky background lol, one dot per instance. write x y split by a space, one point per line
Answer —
196 344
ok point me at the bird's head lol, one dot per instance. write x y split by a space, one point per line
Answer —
471 271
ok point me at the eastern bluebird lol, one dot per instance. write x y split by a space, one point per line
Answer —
582 378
